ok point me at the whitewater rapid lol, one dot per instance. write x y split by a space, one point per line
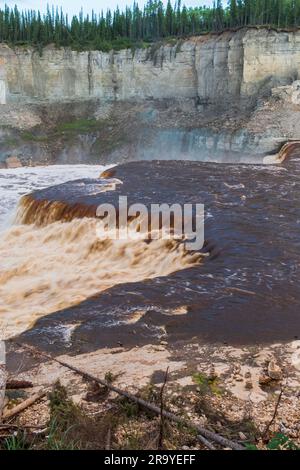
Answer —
15 183
47 269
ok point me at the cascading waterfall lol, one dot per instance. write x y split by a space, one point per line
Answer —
55 259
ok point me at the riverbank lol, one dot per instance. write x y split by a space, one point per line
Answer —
227 328
248 394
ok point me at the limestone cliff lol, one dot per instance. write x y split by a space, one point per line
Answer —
207 76
212 68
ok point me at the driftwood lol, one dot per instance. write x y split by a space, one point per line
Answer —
13 384
206 442
207 434
22 406
3 377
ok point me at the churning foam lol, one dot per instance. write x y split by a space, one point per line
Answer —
47 269
15 183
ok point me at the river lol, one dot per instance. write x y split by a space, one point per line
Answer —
246 291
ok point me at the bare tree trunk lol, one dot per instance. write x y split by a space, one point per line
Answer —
3 376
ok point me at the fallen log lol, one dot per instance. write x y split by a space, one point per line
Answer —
206 442
3 377
22 406
207 434
13 384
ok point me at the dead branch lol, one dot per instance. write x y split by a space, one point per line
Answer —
22 406
266 431
223 441
108 439
3 377
242 291
206 442
162 423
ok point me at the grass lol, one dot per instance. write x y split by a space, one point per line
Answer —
71 428
30 137
106 136
70 129
16 442
126 426
79 126
207 384
10 141
129 426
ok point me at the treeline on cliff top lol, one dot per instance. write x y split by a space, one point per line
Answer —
137 26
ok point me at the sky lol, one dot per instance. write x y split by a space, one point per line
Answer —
73 6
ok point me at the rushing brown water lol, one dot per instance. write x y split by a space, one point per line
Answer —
44 270
247 291
47 269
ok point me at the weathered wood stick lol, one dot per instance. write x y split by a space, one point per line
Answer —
108 439
22 406
161 427
3 377
206 442
13 384
210 435
274 415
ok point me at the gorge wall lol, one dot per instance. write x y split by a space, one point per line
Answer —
212 68
207 76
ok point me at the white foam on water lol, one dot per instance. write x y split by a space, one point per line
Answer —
15 183
47 269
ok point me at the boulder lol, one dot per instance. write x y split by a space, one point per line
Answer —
274 370
264 379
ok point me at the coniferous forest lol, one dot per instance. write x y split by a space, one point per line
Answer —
139 26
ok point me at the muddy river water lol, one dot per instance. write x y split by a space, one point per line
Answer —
65 290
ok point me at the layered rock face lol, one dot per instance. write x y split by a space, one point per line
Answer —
232 97
215 69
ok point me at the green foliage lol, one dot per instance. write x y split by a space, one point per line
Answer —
129 408
132 26
207 384
16 442
58 439
250 446
64 415
278 442
281 442
70 428
110 377
30 137
78 126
